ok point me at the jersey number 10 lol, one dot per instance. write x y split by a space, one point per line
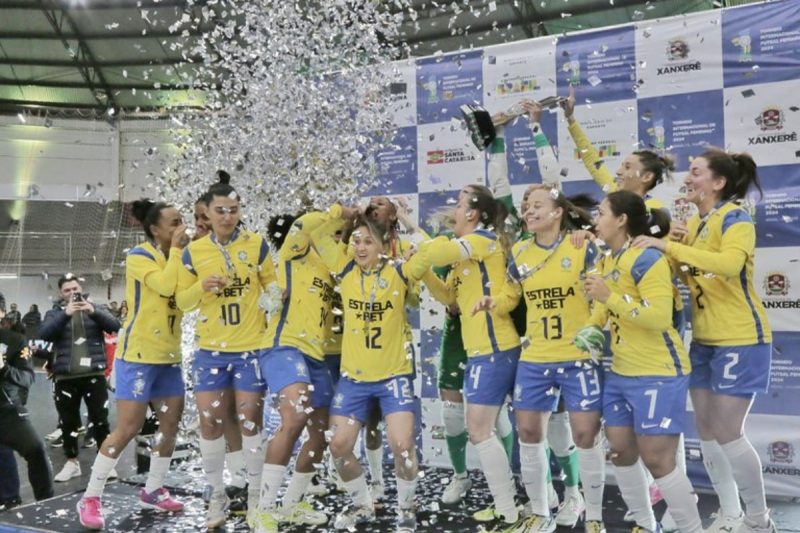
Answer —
230 314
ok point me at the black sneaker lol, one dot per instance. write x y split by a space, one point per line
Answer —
238 498
89 442
9 504
57 443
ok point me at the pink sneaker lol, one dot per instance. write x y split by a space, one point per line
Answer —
160 500
90 512
655 494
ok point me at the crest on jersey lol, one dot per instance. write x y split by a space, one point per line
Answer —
615 274
243 256
382 283
566 264
703 234
338 400
776 284
781 452
302 370
770 118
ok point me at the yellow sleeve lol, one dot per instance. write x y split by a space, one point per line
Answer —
147 271
440 290
591 158
298 237
332 253
507 298
738 242
653 308
266 272
443 251
190 289
599 316
416 266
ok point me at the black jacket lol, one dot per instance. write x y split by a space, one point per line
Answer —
57 328
16 376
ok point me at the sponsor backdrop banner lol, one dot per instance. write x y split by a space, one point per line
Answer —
728 78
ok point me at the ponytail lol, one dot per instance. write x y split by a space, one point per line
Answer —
660 166
492 213
738 169
641 219
222 187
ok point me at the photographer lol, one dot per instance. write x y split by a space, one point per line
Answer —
75 327
16 431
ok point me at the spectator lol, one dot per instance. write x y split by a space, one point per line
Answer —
2 303
76 331
123 311
14 315
114 308
16 431
31 322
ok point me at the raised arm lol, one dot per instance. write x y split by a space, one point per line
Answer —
589 154
190 289
142 266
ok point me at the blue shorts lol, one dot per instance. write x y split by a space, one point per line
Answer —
285 365
731 370
215 371
538 385
334 364
651 405
356 399
141 382
488 379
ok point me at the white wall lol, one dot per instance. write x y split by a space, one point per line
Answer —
28 290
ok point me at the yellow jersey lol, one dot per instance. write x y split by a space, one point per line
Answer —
308 292
152 332
230 320
639 310
551 279
375 344
334 326
717 265
478 269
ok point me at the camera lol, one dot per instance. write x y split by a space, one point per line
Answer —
77 297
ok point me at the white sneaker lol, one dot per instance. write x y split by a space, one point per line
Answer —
456 489
751 527
538 524
377 489
305 514
352 516
725 523
552 497
317 488
571 511
628 517
113 474
217 512
54 435
71 469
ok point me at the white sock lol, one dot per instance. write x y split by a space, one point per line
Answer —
358 491
746 469
494 463
592 468
375 463
158 470
297 488
559 435
533 466
680 498
405 493
253 456
236 468
719 472
271 481
632 482
213 453
453 418
680 454
97 480
503 423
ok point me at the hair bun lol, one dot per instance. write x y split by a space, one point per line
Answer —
668 161
140 208
223 177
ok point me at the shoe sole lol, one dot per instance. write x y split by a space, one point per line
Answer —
65 480
571 525
152 507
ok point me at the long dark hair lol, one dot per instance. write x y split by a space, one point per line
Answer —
222 187
278 226
148 213
492 213
738 169
641 219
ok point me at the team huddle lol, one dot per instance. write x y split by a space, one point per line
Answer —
313 317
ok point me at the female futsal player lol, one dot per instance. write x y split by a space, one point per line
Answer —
714 253
148 361
377 362
644 396
224 275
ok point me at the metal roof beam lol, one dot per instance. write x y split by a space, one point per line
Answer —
153 86
92 75
110 34
93 5
137 62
